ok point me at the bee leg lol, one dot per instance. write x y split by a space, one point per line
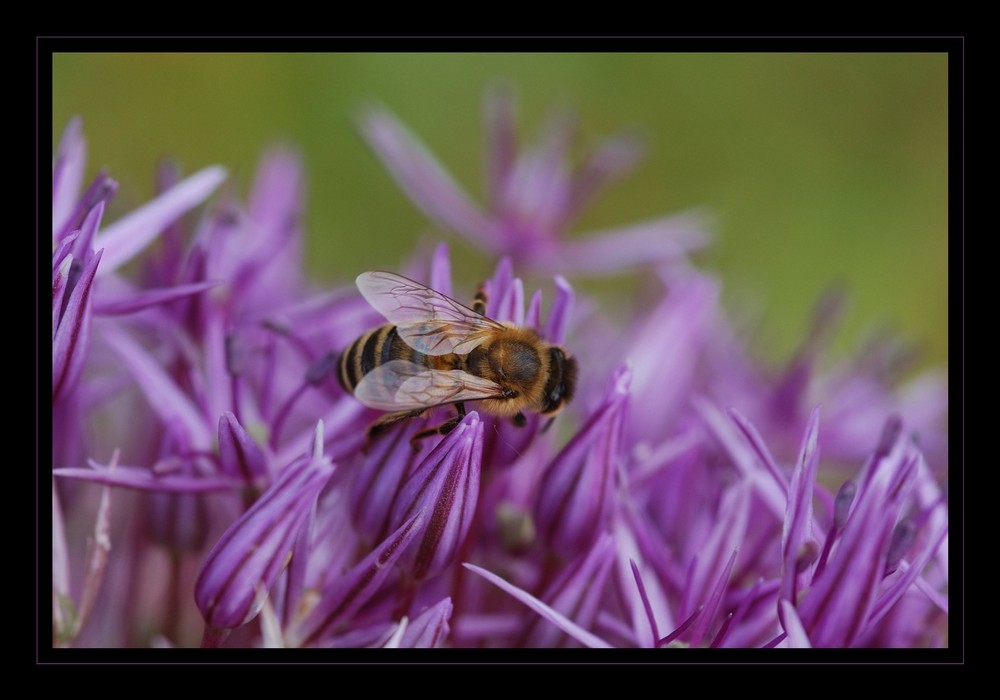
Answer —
519 420
442 429
548 423
389 420
479 303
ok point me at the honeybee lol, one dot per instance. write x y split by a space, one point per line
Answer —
435 351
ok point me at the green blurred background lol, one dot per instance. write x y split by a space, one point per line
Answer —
819 168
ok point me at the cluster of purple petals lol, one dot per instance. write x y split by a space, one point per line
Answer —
213 484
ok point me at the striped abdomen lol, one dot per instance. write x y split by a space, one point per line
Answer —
373 349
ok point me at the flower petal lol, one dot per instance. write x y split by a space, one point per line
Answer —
797 525
67 173
613 159
422 178
162 393
501 141
239 456
561 621
71 343
430 628
652 242
138 301
143 479
246 561
344 595
130 234
445 485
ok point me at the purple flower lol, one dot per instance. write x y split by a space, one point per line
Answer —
445 486
576 493
533 196
245 562
689 495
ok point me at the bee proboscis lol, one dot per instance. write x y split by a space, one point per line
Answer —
435 351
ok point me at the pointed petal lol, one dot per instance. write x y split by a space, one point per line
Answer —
613 159
150 297
575 494
97 556
60 280
344 595
797 525
88 231
743 457
576 593
646 243
430 628
645 600
245 562
441 270
711 606
446 486
60 554
143 479
561 309
240 457
101 190
130 234
67 173
565 624
163 395
537 191
422 178
71 343
797 637
501 141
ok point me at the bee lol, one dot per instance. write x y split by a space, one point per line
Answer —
435 351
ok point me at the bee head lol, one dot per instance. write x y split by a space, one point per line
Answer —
561 384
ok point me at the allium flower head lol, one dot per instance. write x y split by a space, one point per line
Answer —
689 494
533 196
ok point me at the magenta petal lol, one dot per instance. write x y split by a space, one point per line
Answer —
441 270
430 628
537 190
244 563
143 479
344 595
67 173
613 159
699 631
797 526
130 234
163 394
60 555
565 624
575 495
797 637
71 342
577 592
88 231
651 242
445 485
377 483
561 308
744 458
60 280
501 141
150 297
423 179
239 456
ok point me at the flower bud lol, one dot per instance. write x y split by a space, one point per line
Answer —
446 485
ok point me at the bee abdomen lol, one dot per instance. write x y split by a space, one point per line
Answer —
371 350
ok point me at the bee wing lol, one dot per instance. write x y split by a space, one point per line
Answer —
427 321
406 386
